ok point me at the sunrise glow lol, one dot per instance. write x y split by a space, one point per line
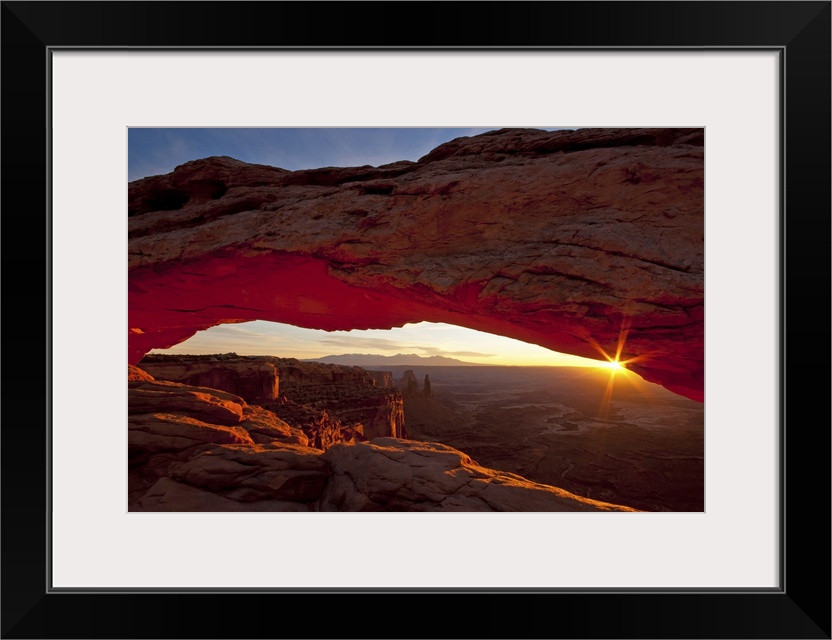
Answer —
423 338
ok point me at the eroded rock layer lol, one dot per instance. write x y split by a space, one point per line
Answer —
573 240
254 380
330 403
200 449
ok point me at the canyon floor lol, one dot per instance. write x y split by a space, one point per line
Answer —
642 446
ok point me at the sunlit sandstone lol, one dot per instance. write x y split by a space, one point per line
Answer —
556 238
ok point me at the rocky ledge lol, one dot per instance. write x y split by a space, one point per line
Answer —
199 449
330 403
255 379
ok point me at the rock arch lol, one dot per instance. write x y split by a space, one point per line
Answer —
571 240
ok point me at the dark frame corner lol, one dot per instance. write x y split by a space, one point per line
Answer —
800 30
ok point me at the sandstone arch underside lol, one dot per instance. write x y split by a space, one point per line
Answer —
566 239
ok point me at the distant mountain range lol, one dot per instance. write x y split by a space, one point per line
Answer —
400 359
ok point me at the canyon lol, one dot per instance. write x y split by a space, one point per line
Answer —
609 436
330 403
193 448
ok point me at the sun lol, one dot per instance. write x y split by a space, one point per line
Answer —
615 365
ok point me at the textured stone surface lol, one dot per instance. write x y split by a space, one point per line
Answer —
331 403
265 427
169 495
253 380
321 428
253 473
401 475
181 463
196 409
169 423
134 374
346 403
196 402
569 240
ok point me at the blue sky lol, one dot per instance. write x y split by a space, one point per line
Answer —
154 151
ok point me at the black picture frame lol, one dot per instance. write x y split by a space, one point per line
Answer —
799 31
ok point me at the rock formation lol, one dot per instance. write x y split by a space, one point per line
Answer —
383 379
199 449
254 380
571 240
397 475
171 423
409 384
350 395
330 403
322 427
428 393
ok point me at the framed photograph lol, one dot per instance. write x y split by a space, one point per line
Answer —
564 325
748 83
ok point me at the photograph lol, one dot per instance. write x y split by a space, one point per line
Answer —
403 298
416 319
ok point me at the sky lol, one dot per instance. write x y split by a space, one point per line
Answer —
154 151
424 339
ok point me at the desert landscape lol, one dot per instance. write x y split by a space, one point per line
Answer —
586 242
611 437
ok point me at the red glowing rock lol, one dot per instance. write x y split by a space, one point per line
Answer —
567 239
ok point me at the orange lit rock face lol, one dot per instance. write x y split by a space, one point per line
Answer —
563 239
387 474
255 381
331 403
200 449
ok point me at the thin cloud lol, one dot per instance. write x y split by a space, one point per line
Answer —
393 347
364 343
438 351
468 354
